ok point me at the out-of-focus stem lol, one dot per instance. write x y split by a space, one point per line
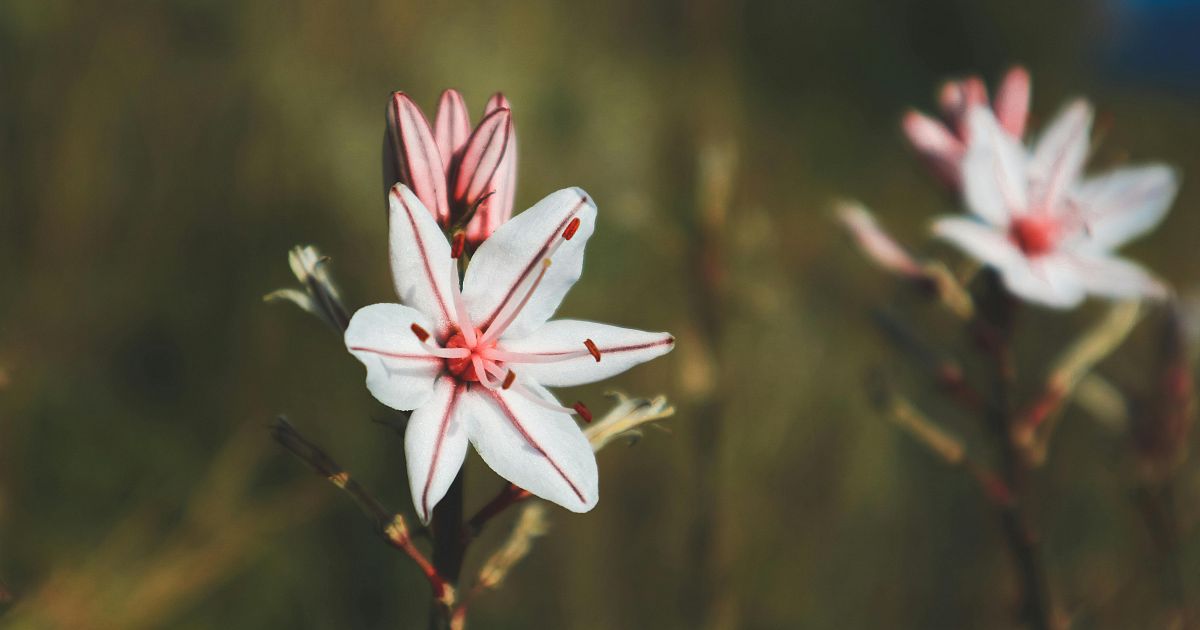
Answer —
449 546
994 330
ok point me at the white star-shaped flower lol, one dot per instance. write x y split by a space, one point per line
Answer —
1046 229
472 361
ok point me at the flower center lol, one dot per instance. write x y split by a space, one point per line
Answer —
1035 235
464 367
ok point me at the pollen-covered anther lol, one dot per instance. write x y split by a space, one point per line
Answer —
571 229
592 349
458 244
583 411
509 379
421 333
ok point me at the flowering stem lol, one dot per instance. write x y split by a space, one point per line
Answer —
448 545
508 496
1156 502
994 328
390 525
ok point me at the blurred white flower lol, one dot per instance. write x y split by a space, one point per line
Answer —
1049 231
472 361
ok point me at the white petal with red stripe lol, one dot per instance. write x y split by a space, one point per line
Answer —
537 449
400 373
420 256
435 445
507 264
993 170
1059 154
618 348
414 154
1125 203
451 127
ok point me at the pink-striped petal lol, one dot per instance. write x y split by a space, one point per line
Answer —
537 449
481 158
506 264
420 257
1059 154
400 373
1012 101
1113 277
994 170
618 348
1050 280
497 208
435 445
412 157
985 243
1126 203
451 128
940 148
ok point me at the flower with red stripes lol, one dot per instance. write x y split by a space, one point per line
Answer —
464 176
1050 232
472 358
943 143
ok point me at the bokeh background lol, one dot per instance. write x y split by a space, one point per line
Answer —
158 159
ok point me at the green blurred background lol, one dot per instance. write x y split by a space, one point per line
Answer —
158 159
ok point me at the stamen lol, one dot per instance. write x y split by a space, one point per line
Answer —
482 373
510 311
458 244
591 347
421 333
496 354
572 227
446 353
583 411
461 317
508 380
529 395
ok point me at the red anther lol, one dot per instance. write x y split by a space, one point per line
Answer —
458 244
509 379
572 227
591 346
421 333
583 411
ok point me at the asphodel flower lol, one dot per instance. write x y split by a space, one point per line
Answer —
1050 232
472 360
943 143
464 176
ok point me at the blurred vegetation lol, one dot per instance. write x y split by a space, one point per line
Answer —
158 159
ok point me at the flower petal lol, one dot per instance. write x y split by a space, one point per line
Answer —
420 257
935 143
987 244
400 373
412 157
1114 277
1126 203
993 170
497 208
1050 280
451 128
540 450
1012 101
619 350
506 264
1059 154
435 445
481 158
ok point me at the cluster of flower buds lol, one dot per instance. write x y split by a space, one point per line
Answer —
943 143
464 176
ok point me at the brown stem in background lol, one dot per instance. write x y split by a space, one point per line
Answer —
993 331
1156 502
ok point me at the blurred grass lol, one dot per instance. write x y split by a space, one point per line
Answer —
157 160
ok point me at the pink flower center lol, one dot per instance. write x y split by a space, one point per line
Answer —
1034 235
463 367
